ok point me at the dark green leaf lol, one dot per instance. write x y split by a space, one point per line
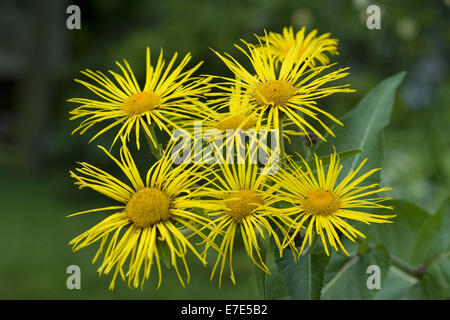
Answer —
398 285
435 282
432 250
363 126
434 238
304 279
276 287
261 277
346 277
398 237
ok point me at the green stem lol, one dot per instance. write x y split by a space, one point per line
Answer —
308 151
263 284
415 272
264 244
281 140
156 150
406 268
306 148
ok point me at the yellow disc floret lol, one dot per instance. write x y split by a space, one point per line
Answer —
275 92
147 207
242 203
321 202
238 121
140 102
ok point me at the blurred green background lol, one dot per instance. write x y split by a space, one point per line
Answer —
40 57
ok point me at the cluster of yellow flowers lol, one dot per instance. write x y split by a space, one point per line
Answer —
159 217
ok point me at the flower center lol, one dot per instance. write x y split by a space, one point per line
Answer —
243 203
140 102
147 207
321 202
275 92
235 122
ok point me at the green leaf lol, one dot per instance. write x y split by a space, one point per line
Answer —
434 238
397 237
398 285
432 250
264 243
346 276
420 239
164 253
363 126
304 279
435 282
276 288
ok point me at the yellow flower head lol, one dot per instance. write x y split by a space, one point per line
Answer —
239 111
281 43
289 90
168 91
233 114
239 201
149 216
232 121
325 202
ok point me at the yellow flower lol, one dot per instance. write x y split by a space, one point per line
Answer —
168 91
325 202
232 119
148 219
281 43
239 113
239 200
286 91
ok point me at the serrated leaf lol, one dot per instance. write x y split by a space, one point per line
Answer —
304 279
276 288
363 126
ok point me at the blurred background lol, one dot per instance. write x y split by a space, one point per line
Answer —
40 57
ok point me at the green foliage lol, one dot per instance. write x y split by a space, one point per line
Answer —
416 159
264 243
434 238
304 279
420 248
363 126
432 251
413 252
400 236
346 276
